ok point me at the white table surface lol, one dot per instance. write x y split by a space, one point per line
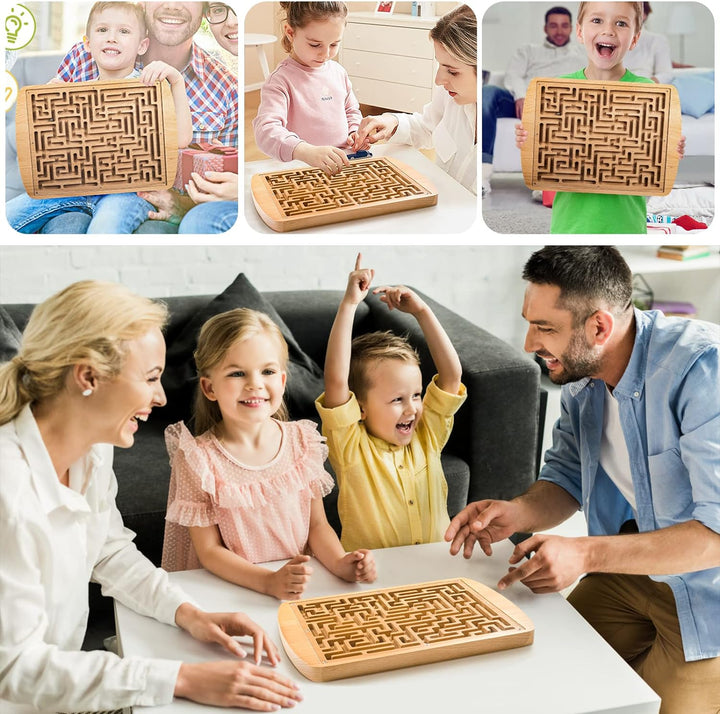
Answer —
454 213
568 669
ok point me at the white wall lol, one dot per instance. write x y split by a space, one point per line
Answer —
508 25
482 284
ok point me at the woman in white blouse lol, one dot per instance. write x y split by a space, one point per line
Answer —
87 373
448 123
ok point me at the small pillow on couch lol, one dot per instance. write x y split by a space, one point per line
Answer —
304 380
10 336
696 92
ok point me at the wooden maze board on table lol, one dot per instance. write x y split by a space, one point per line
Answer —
377 630
304 198
601 137
93 138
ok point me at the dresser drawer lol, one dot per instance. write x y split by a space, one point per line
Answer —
406 41
388 68
397 97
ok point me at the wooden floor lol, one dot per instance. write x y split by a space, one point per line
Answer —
252 101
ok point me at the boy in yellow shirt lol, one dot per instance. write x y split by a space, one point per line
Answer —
384 438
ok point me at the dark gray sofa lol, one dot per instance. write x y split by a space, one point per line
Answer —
493 451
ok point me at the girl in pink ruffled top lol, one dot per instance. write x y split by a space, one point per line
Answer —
249 488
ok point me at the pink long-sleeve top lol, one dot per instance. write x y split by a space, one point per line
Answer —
300 103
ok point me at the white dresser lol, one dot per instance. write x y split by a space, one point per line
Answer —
390 59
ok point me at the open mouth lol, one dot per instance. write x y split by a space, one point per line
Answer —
252 402
605 49
111 51
171 20
405 427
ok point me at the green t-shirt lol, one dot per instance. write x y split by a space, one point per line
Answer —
599 212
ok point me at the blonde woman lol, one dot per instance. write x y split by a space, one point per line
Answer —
448 123
86 376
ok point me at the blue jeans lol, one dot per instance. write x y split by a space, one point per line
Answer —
111 213
210 217
496 102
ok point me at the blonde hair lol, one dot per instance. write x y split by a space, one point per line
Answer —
88 322
133 8
300 14
637 13
217 336
457 33
372 347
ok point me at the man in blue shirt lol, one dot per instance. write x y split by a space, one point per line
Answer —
637 447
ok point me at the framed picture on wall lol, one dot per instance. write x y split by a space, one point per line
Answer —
385 7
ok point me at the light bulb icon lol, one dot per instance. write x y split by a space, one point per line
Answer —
19 27
12 26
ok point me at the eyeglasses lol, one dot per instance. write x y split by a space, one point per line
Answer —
218 13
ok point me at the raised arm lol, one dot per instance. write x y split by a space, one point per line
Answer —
441 349
337 359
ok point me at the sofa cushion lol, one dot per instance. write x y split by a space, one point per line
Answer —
9 336
305 378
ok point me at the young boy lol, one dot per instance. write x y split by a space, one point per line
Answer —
384 438
116 35
608 30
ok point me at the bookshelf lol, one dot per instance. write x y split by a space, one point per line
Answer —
696 280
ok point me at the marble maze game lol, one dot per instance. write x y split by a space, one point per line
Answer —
363 632
96 137
299 198
610 137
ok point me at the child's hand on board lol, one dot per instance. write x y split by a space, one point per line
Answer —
400 298
358 282
358 567
328 158
521 135
157 70
681 147
290 581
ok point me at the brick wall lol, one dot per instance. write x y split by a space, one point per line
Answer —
480 283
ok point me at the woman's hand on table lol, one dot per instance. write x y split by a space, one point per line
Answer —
228 683
221 627
215 186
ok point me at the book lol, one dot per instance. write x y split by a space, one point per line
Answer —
683 252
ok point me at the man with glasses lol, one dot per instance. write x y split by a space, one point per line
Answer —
637 447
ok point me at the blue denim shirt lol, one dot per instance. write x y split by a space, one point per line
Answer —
669 403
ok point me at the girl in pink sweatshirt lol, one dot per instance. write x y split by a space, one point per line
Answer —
307 108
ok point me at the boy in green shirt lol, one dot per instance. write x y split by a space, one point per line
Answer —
608 30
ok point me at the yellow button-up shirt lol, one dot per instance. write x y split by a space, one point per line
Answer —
390 495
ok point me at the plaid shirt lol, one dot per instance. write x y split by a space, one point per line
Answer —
211 88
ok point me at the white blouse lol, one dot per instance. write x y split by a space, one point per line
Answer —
450 129
55 540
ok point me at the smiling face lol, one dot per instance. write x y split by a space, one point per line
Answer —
173 23
558 28
317 42
225 33
458 79
115 38
249 382
608 30
392 404
121 402
568 354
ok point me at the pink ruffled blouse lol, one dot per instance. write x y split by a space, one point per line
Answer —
263 512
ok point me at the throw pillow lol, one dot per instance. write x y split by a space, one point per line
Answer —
696 92
304 380
10 336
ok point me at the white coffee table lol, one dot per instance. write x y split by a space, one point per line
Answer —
568 669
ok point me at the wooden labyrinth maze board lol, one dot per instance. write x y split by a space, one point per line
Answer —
92 138
601 137
303 198
377 630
